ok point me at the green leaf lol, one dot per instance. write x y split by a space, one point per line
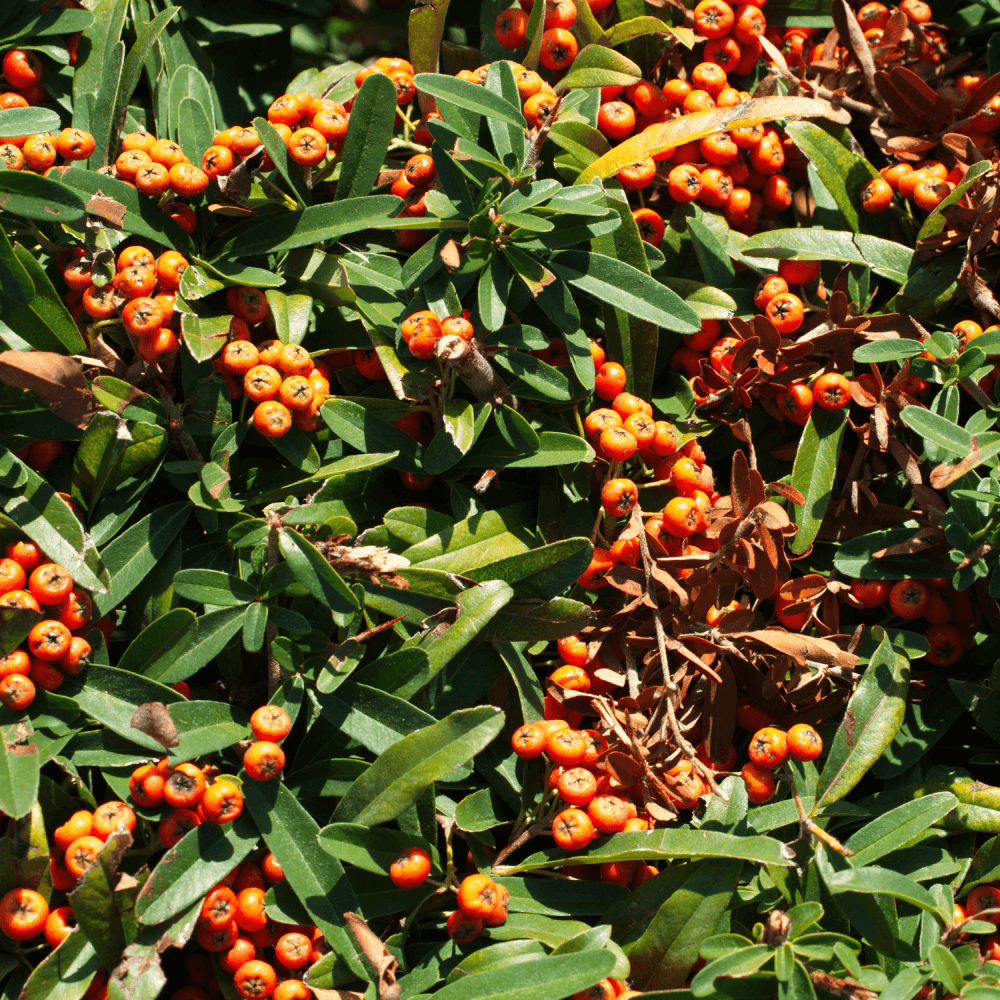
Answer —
662 957
943 432
871 721
312 225
936 221
137 56
874 880
276 148
547 978
199 861
397 779
209 586
743 962
315 573
37 197
33 506
111 696
898 828
66 972
95 905
841 172
375 718
891 260
364 430
318 879
20 764
142 215
626 288
373 850
212 633
134 553
368 135
813 473
156 647
454 439
879 351
600 66
425 29
204 336
470 96
946 968
206 727
15 122
672 843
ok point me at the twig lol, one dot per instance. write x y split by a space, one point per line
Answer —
807 826
274 677
184 439
519 841
661 644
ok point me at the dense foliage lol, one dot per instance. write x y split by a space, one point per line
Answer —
499 500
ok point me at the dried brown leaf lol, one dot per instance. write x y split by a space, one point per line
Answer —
58 379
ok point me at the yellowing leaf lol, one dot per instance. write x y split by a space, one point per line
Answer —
677 131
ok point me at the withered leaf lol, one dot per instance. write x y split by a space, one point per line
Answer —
377 955
58 379
110 211
153 719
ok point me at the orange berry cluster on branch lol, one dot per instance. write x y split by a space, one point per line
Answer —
56 647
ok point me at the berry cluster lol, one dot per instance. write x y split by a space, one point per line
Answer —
234 927
40 151
56 647
155 166
186 788
422 330
141 296
769 748
949 612
282 379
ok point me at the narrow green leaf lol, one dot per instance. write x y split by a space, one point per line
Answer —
368 135
600 66
879 351
373 850
134 553
672 843
470 96
318 879
871 721
160 643
626 288
65 973
540 979
34 507
898 828
662 957
315 573
94 903
397 779
15 122
813 473
199 861
312 225
206 727
209 586
954 439
212 632
276 148
20 764
873 880
39 198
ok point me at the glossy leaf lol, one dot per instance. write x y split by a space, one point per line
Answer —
199 861
20 765
368 134
871 721
813 473
317 878
396 780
